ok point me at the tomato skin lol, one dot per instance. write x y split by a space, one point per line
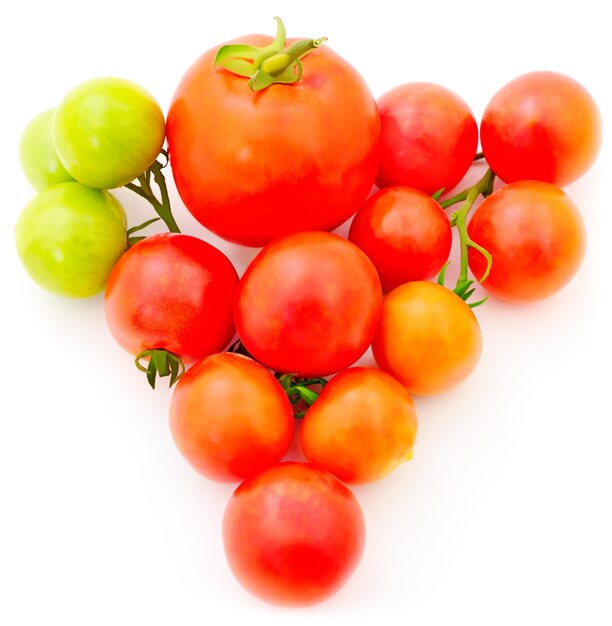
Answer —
255 166
293 535
362 426
428 338
172 292
230 418
428 137
536 237
405 233
308 304
541 126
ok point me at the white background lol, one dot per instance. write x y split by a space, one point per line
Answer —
503 516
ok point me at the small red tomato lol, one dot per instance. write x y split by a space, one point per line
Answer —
536 237
308 304
541 126
428 338
362 426
172 292
405 233
428 137
293 535
230 418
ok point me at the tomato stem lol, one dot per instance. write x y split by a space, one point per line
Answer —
161 363
144 190
298 390
458 219
268 65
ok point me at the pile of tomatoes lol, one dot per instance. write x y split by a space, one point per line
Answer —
274 143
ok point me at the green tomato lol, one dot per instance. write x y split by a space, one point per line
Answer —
107 132
69 237
39 160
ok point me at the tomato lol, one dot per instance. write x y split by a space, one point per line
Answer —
536 237
541 126
37 155
172 292
428 137
362 426
293 535
69 237
405 233
255 166
107 132
428 338
308 304
230 418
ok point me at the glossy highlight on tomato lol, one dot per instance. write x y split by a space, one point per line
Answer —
172 292
361 427
230 418
405 233
293 535
541 126
308 304
255 166
536 237
428 338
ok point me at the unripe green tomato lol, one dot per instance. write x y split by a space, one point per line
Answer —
108 131
39 160
70 237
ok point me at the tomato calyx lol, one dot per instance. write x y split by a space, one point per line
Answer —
268 65
144 190
458 219
161 363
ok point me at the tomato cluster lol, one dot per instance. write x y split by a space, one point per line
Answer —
273 143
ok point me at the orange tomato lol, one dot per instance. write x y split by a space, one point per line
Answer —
362 426
428 338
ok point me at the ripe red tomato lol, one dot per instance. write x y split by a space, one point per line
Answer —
172 292
428 338
541 126
428 137
405 233
536 237
308 304
255 166
293 535
230 418
361 427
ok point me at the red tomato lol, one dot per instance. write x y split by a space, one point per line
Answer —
536 237
541 126
230 418
293 535
428 338
361 427
255 166
173 292
405 233
428 137
308 304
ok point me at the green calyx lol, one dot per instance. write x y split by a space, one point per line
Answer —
161 363
273 64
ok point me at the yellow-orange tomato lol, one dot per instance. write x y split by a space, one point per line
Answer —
230 418
428 338
361 427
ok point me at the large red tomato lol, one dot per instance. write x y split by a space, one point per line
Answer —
172 292
293 535
536 237
255 166
541 126
308 304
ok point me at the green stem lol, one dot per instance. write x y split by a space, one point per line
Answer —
160 363
162 207
458 219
